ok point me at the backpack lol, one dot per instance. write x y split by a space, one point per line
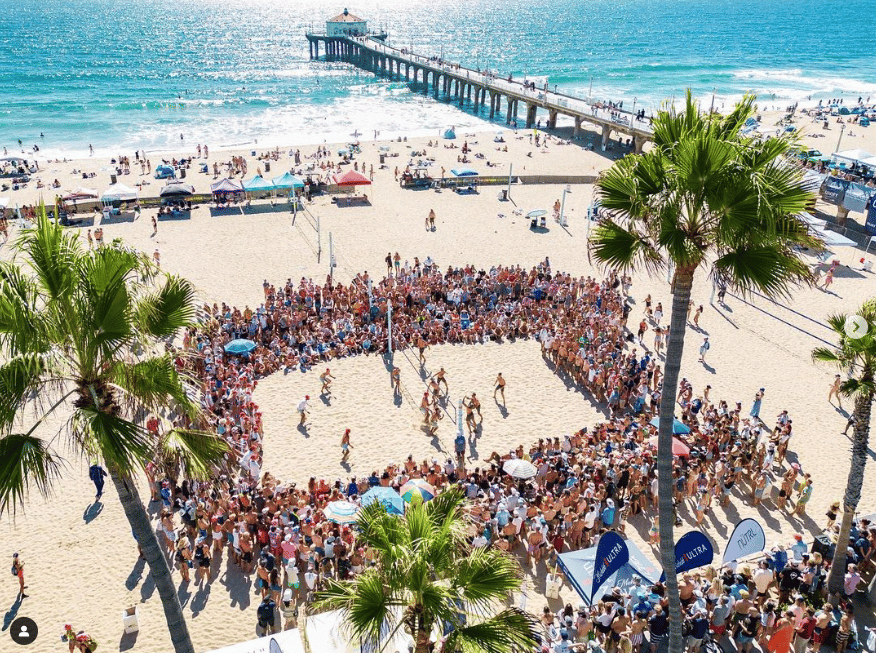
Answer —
14 570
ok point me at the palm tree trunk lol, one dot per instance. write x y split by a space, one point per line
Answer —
158 567
680 299
855 482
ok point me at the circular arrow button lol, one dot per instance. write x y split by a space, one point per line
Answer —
856 327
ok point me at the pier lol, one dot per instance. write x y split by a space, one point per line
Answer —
455 83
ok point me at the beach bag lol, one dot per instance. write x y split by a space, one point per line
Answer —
14 570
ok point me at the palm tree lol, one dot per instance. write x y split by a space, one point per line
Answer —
857 356
427 576
80 332
704 196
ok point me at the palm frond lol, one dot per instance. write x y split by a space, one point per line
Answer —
24 461
510 630
125 446
152 383
169 308
617 247
197 452
486 575
770 269
52 254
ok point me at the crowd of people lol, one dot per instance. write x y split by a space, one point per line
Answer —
586 482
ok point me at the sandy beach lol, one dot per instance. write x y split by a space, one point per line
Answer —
82 563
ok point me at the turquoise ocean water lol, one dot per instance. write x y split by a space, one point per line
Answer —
123 75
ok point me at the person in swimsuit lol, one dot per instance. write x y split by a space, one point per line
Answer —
500 387
345 445
18 567
835 391
326 378
184 557
441 377
396 380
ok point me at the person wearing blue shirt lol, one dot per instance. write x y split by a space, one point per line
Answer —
352 488
459 447
503 516
608 514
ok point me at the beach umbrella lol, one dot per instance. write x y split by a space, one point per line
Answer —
240 346
341 512
387 497
536 214
679 448
417 486
517 468
678 428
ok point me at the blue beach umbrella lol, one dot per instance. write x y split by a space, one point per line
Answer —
341 512
417 486
240 346
678 428
387 497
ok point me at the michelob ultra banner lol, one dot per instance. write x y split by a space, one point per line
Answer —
611 555
692 550
747 538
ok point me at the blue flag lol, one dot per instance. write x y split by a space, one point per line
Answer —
611 555
692 550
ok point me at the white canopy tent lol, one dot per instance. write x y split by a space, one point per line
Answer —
856 155
287 641
833 239
119 193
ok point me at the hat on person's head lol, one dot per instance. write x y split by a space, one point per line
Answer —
14 555
287 594
798 537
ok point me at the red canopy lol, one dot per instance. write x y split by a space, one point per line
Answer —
352 178
679 448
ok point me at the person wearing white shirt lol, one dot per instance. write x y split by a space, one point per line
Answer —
480 542
763 577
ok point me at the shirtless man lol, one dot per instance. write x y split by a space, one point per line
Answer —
441 377
469 415
476 405
835 391
345 445
326 378
618 626
500 387
822 623
533 546
422 345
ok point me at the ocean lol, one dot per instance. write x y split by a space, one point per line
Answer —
162 74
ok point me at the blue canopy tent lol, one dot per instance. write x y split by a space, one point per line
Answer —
287 181
258 184
449 133
578 567
164 172
464 172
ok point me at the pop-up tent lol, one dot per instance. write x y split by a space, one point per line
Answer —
578 567
227 186
258 184
118 193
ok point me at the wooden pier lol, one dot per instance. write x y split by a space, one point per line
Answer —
463 85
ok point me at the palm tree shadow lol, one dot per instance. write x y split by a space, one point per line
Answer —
136 574
10 614
92 511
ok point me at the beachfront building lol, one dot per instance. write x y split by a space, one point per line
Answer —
346 24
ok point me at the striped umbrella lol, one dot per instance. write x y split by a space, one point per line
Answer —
519 468
341 512
417 486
